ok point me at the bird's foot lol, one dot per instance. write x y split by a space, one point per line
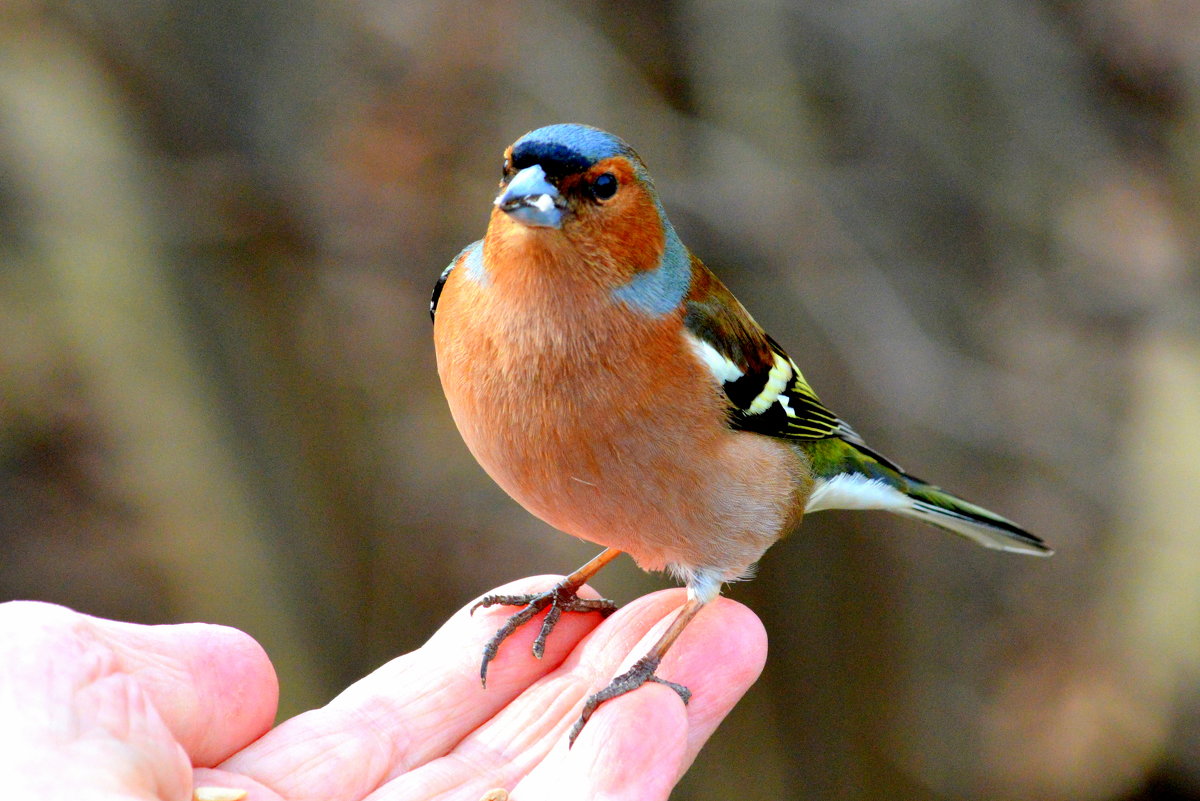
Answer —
562 597
641 672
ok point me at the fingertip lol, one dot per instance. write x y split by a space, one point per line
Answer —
232 666
738 633
631 749
719 657
213 685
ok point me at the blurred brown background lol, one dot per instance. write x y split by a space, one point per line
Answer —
972 222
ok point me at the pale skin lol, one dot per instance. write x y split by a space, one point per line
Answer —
100 709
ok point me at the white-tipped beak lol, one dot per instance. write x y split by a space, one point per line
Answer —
532 200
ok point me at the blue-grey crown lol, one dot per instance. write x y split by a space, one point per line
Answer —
566 148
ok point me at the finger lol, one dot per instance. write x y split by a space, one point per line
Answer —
506 748
636 746
69 719
121 742
412 710
719 657
212 686
652 729
637 755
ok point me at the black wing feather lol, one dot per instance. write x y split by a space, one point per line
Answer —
437 290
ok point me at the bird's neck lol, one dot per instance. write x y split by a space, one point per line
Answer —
545 299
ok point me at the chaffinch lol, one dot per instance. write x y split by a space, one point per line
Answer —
613 386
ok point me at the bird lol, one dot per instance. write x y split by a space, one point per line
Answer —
609 382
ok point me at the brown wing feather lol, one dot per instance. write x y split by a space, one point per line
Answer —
771 396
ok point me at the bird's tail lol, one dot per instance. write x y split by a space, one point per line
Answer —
849 475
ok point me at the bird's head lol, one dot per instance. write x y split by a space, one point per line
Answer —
578 184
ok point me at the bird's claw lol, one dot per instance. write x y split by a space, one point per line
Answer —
641 672
562 597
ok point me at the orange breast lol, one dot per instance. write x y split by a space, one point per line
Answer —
599 420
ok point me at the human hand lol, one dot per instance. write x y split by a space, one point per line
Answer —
100 709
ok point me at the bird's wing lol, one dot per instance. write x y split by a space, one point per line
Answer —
767 392
768 395
441 282
437 290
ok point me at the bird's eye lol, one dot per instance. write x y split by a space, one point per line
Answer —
605 186
506 170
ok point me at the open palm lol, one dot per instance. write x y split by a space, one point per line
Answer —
149 711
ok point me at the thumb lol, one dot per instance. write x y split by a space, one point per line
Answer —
212 686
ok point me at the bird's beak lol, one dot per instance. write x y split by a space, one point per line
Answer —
532 200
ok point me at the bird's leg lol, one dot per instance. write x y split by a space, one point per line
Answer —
643 669
562 597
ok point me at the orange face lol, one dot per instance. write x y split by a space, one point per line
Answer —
610 225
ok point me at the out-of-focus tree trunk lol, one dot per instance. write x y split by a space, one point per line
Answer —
98 261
